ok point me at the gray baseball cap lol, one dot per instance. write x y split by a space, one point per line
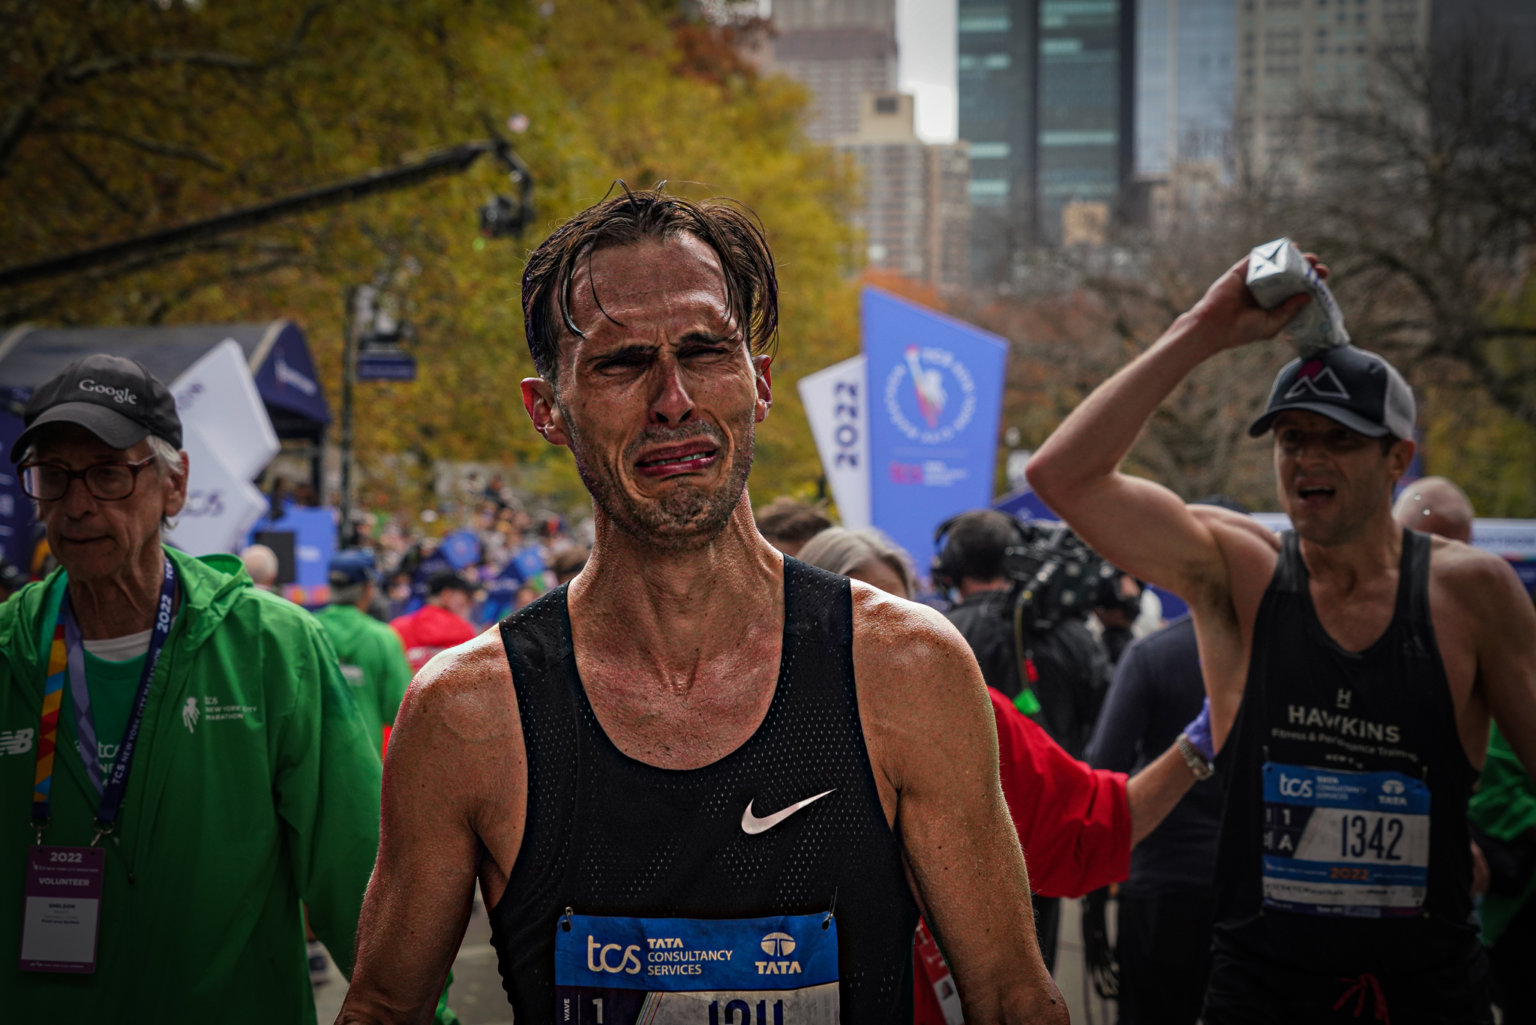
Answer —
1353 387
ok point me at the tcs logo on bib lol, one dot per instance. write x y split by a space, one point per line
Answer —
1291 786
611 957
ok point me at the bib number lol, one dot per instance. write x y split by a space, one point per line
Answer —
1344 843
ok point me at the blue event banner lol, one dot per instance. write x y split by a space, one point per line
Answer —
935 396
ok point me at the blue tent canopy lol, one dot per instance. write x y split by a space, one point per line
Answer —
276 352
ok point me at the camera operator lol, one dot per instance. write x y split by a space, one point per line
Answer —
1031 638
1116 606
1031 646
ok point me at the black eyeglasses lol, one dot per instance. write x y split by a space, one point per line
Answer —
109 482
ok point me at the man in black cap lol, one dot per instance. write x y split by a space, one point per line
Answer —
1356 669
180 806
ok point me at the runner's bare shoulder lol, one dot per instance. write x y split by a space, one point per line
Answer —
893 634
456 755
465 692
1479 579
917 681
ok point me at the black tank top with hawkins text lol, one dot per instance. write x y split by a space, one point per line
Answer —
1344 842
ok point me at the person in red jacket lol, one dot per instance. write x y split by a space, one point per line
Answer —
442 622
1076 824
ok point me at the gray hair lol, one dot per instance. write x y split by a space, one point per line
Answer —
843 550
167 459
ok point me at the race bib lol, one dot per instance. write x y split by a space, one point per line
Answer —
1344 843
688 971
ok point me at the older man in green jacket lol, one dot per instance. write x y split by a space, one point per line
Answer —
177 743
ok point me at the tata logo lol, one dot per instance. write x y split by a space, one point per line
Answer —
930 396
778 946
1392 786
122 396
612 957
1292 786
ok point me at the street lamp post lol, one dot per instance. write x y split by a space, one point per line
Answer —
352 325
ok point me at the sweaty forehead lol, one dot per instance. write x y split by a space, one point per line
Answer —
669 286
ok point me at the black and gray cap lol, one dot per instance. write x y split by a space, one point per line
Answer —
115 398
1353 387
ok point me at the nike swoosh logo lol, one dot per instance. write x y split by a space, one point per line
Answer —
752 825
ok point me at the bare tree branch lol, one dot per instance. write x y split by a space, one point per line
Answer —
96 181
155 146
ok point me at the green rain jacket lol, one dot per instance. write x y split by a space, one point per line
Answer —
1504 807
254 785
372 661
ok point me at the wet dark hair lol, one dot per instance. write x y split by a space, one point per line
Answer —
731 230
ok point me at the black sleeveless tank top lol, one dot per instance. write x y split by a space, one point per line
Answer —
1381 720
608 835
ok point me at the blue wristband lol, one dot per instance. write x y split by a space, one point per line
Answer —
1199 732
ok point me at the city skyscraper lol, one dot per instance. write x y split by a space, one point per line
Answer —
1186 78
1293 55
916 216
1045 101
1087 93
1186 75
996 88
840 50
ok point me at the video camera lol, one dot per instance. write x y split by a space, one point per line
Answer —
1053 575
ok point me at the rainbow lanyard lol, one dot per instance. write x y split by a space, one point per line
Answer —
66 657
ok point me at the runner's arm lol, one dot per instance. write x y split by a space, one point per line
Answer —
1073 821
1139 526
438 769
933 743
1154 791
1506 658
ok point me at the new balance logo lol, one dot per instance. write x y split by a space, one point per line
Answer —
1318 380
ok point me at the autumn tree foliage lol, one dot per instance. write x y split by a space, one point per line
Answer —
120 118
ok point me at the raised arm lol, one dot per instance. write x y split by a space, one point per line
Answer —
933 743
454 756
1138 525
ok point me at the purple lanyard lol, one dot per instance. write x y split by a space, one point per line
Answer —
113 788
